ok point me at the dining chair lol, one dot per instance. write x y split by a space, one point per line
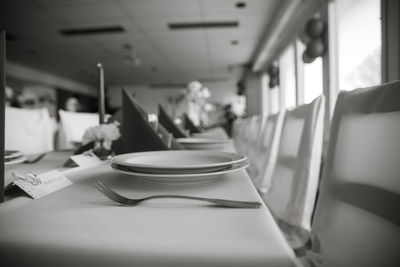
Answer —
248 131
73 126
255 136
254 141
238 133
237 129
28 130
357 218
253 132
264 153
295 176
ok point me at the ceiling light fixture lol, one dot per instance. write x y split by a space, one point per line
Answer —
92 30
202 25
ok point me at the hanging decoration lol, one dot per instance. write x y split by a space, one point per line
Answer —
313 38
273 72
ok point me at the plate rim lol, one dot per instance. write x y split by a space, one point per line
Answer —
186 140
14 154
239 158
15 161
242 165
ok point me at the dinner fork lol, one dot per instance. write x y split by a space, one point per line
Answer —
124 201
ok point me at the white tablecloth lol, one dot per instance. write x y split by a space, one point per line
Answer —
78 226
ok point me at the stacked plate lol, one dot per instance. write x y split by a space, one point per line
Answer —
193 143
13 157
210 135
178 167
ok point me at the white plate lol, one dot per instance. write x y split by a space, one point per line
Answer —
178 161
210 136
202 141
183 179
15 161
12 154
217 147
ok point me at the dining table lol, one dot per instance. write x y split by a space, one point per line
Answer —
79 226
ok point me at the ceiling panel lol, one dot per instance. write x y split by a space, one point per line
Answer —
95 13
165 54
151 8
229 6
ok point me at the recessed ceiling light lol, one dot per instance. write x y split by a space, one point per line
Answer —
241 4
234 42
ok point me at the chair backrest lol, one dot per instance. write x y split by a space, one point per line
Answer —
254 140
74 124
240 136
237 127
265 152
29 131
357 217
295 176
250 133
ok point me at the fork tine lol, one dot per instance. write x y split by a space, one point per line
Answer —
109 193
112 192
115 196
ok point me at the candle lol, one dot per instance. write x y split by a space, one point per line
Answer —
2 108
101 93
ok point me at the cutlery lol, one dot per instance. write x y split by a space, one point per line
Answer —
125 201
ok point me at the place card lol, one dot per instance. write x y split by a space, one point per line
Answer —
85 159
38 186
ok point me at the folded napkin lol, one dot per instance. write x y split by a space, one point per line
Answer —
169 124
189 125
137 133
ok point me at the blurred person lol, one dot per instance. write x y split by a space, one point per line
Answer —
11 99
230 117
28 100
72 104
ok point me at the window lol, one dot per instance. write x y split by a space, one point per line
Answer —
288 77
312 76
313 85
359 43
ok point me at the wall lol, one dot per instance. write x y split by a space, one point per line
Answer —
34 76
253 94
28 87
221 92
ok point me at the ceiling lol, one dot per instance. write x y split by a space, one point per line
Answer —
147 52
